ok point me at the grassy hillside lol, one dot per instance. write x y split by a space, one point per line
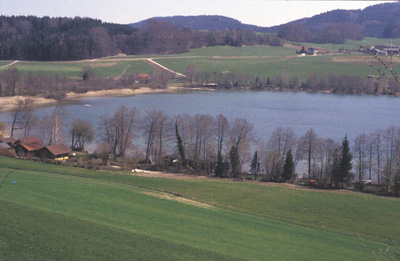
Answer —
55 212
103 68
250 60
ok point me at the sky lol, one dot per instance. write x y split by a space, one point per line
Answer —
256 12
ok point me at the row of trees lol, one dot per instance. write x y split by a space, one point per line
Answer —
14 83
216 145
315 82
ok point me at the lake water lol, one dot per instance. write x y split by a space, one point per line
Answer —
330 115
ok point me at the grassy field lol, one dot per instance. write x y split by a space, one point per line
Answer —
352 44
103 68
250 60
55 212
264 67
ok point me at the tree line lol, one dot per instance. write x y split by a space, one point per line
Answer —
328 82
58 39
208 145
14 83
335 33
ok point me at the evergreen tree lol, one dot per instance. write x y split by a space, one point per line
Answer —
219 169
235 161
288 167
343 165
181 149
255 165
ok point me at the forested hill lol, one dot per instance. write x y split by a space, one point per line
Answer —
34 38
50 39
382 20
203 22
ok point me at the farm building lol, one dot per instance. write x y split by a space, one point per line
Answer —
28 147
56 152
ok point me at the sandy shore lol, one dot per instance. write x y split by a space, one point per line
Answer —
8 103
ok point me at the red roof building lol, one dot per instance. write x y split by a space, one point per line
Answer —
56 152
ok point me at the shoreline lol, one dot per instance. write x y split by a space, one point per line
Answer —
9 103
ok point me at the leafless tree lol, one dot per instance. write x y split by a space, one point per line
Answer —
307 145
222 130
360 149
82 131
9 83
119 130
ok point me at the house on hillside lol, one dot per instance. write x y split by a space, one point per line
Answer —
27 147
55 152
144 78
384 50
312 51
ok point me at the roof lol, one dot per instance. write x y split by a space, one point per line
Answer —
30 140
58 149
8 140
32 146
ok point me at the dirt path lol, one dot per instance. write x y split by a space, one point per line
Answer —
4 66
179 176
153 63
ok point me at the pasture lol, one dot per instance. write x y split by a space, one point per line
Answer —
264 61
57 212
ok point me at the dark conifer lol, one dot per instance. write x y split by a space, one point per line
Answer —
288 167
341 170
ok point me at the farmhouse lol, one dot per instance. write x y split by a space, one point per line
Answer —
312 51
384 50
144 78
56 152
27 147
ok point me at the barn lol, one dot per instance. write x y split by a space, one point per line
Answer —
55 152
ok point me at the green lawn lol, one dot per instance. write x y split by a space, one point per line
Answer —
55 212
264 67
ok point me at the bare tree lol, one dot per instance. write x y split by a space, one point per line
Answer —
81 132
307 145
10 79
52 128
149 126
360 144
119 130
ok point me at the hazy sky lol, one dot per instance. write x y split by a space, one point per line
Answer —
257 12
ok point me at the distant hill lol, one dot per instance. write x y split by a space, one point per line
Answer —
382 20
203 22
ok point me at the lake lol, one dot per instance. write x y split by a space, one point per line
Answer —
330 115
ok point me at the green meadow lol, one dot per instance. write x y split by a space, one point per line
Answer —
263 61
59 213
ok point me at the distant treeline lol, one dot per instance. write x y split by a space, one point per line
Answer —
332 33
14 83
50 39
327 82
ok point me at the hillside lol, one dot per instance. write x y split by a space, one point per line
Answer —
380 20
202 22
63 213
